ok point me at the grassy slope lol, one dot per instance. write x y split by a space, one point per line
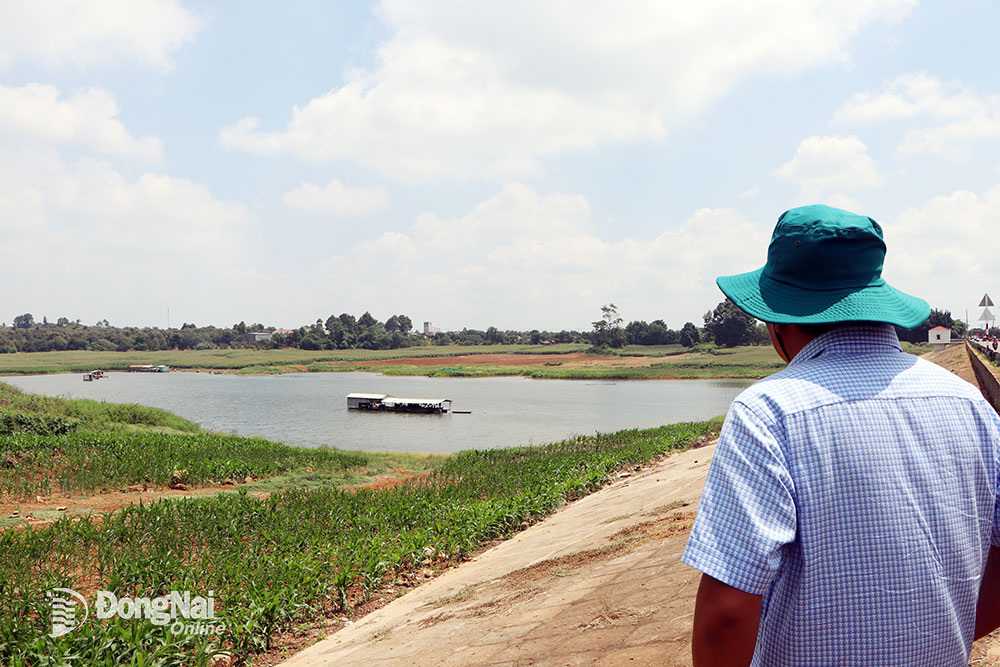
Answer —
80 445
294 556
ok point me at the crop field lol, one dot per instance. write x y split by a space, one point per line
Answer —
99 462
295 556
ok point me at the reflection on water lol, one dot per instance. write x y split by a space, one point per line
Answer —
310 409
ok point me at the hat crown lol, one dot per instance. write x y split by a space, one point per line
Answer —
825 248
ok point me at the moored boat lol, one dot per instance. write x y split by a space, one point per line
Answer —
387 403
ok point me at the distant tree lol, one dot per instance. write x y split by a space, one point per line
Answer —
493 336
761 336
188 325
959 329
689 336
392 324
311 342
918 334
240 328
349 322
730 326
24 321
636 332
660 334
608 330
367 320
102 345
45 321
62 322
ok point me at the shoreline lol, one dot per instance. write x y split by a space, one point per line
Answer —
745 363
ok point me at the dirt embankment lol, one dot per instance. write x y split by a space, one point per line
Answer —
954 358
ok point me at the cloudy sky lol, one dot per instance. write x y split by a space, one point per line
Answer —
515 164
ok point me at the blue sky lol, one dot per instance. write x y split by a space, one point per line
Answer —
514 164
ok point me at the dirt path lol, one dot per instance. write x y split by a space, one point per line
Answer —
46 509
955 359
598 583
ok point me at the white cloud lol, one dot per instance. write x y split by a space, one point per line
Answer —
956 140
825 166
911 95
34 114
522 259
967 115
335 198
97 32
486 89
945 250
85 241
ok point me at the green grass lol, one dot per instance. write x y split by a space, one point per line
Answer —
294 556
677 362
83 360
92 415
101 462
52 444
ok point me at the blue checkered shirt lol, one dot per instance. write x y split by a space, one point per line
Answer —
856 491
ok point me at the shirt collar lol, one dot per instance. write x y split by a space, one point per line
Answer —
862 338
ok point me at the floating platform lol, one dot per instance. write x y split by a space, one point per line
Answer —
387 403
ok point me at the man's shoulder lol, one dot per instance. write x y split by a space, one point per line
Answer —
835 379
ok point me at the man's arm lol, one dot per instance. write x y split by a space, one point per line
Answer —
988 608
725 625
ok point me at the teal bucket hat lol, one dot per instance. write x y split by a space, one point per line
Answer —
824 265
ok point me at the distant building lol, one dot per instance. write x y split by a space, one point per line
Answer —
257 336
430 331
284 331
939 337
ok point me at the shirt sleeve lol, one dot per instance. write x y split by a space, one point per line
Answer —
995 537
747 510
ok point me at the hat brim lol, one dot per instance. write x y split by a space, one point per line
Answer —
781 303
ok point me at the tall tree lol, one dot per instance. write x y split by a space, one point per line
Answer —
690 336
730 326
608 330
24 321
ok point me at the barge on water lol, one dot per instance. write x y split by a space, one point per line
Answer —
387 403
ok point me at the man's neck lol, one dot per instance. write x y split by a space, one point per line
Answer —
789 339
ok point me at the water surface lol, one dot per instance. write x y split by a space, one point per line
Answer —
310 409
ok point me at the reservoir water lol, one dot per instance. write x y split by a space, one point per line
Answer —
310 409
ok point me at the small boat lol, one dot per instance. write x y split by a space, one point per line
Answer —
96 375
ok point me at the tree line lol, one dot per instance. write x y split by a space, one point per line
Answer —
337 332
725 325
